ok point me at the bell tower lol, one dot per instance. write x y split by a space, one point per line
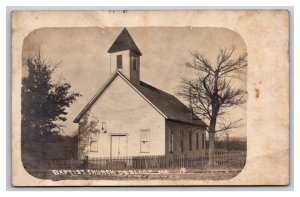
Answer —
125 56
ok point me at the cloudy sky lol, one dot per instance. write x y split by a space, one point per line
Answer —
85 62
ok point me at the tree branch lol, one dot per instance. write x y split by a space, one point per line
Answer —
228 126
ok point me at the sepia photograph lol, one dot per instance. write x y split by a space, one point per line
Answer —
145 104
88 113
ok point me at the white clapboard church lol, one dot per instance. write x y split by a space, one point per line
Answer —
135 118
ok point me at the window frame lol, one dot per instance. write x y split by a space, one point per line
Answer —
119 61
134 63
181 141
97 146
143 141
203 140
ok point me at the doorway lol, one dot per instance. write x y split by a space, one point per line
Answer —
118 146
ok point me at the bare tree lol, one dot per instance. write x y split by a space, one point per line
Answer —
212 92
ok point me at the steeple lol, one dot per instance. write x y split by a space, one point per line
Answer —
125 56
124 42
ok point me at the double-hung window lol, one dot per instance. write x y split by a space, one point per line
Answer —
145 141
94 142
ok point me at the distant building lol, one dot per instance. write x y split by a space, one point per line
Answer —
135 118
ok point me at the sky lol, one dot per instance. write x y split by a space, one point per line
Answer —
85 63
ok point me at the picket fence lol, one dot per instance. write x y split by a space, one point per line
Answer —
232 159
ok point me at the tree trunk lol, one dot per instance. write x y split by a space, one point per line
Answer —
211 133
211 150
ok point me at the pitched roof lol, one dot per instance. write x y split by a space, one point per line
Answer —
166 104
124 42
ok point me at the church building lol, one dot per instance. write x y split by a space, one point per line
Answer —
128 117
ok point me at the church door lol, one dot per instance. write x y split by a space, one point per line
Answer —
118 145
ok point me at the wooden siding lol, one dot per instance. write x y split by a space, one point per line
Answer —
126 113
185 128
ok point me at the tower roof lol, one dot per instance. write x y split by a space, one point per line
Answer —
124 42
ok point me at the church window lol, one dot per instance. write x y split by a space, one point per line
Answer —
94 142
144 141
119 62
134 62
181 141
94 146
